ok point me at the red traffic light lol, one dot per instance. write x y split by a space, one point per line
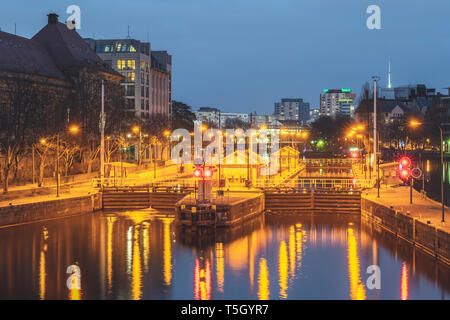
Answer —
198 173
354 154
203 172
208 173
405 174
405 162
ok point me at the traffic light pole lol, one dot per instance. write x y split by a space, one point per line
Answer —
410 190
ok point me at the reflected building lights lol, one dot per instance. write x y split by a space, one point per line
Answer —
167 252
404 282
42 264
145 244
357 290
263 280
202 279
220 270
299 238
283 270
136 273
75 294
129 257
292 253
251 268
109 251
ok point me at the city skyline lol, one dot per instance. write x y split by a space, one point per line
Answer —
257 49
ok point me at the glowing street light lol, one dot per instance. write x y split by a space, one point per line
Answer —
74 129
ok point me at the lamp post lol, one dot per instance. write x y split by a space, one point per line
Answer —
414 123
375 140
102 141
57 165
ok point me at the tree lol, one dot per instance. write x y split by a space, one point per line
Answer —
68 151
156 126
332 130
29 109
86 111
182 116
43 149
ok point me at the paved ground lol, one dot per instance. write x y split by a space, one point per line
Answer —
74 193
422 208
84 189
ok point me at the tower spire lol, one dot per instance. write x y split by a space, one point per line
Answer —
389 75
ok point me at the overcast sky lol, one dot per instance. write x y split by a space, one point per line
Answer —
243 55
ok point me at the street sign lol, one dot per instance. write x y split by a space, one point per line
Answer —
416 173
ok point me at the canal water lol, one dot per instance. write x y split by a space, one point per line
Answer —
131 255
432 183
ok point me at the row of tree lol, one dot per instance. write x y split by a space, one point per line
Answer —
34 112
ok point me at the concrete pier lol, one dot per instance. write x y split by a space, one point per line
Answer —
418 223
227 210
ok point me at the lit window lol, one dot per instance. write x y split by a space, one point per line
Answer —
120 64
131 64
130 77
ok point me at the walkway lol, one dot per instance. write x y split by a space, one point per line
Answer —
423 209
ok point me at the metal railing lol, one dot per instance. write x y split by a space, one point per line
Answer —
320 183
328 162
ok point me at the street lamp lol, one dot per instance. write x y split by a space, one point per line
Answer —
72 129
137 130
415 123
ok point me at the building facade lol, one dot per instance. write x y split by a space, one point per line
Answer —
337 102
292 109
217 118
147 74
161 73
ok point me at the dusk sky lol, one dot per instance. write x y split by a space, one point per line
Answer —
243 55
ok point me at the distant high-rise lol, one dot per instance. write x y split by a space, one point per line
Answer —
292 109
335 102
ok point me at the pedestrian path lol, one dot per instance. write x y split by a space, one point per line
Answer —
423 208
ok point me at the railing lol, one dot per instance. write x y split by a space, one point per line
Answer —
128 182
329 162
316 184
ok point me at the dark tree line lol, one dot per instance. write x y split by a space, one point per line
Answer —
33 111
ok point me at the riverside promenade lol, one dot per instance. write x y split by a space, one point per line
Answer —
419 223
423 208
29 203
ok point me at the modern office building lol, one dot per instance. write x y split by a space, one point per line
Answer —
334 102
147 74
292 109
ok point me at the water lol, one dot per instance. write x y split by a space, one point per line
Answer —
432 173
133 256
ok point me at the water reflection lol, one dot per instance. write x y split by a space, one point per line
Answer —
404 284
432 174
133 255
357 289
263 280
